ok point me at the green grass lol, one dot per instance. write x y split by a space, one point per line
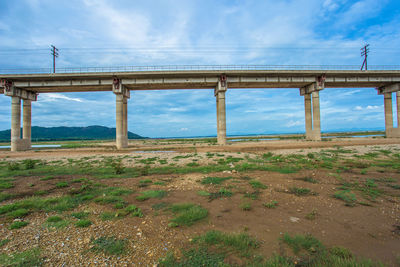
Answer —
18 213
83 223
160 206
56 222
107 216
271 205
309 180
203 193
257 184
144 195
46 178
194 258
80 215
214 180
241 243
6 196
187 214
6 185
223 192
4 242
108 245
62 185
18 224
347 196
301 242
134 211
27 258
312 215
246 206
298 191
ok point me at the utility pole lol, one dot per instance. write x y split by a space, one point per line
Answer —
54 52
364 53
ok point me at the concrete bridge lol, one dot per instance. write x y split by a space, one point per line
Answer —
26 87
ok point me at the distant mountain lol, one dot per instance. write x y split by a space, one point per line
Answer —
70 133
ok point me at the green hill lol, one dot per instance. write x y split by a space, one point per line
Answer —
69 133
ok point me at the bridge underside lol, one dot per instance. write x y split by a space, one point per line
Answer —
26 87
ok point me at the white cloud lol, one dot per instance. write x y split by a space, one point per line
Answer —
52 97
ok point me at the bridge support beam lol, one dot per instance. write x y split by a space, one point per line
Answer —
219 94
312 109
121 114
16 94
390 130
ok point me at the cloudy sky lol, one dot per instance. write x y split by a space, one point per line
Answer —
91 33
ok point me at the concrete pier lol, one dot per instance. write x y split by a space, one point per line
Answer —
27 124
119 121
388 114
316 132
398 108
308 116
221 111
15 123
125 122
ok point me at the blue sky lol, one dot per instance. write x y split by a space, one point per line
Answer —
131 33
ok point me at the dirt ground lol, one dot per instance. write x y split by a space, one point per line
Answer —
369 231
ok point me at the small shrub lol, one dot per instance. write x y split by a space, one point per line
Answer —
107 216
298 191
214 180
6 185
348 197
311 216
13 166
341 252
134 211
83 223
118 167
203 193
309 180
29 164
18 224
29 257
18 213
80 215
109 245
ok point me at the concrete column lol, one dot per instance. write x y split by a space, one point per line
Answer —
308 116
388 114
398 109
221 118
125 122
27 123
15 122
316 116
119 120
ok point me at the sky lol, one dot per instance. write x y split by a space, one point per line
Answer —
109 33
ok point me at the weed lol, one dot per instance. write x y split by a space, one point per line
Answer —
13 166
300 242
118 167
347 196
145 181
160 206
46 178
394 186
56 222
83 223
54 219
254 195
309 180
187 213
257 184
107 216
18 213
109 245
18 224
341 252
214 180
29 164
134 211
223 192
4 242
6 185
6 196
151 194
62 185
29 257
203 193
298 191
246 206
80 215
194 258
159 183
271 205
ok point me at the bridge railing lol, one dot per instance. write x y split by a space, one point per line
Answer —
193 67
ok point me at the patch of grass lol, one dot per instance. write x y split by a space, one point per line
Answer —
194 258
160 206
18 224
145 181
187 213
6 196
341 252
203 193
13 166
271 205
246 206
83 223
26 258
347 196
159 183
134 211
151 194
62 184
309 180
54 219
257 184
108 245
29 164
56 222
46 178
298 191
18 213
80 215
394 186
301 242
241 242
107 216
253 195
223 192
6 185
214 180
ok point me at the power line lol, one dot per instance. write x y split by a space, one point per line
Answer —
364 53
54 52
